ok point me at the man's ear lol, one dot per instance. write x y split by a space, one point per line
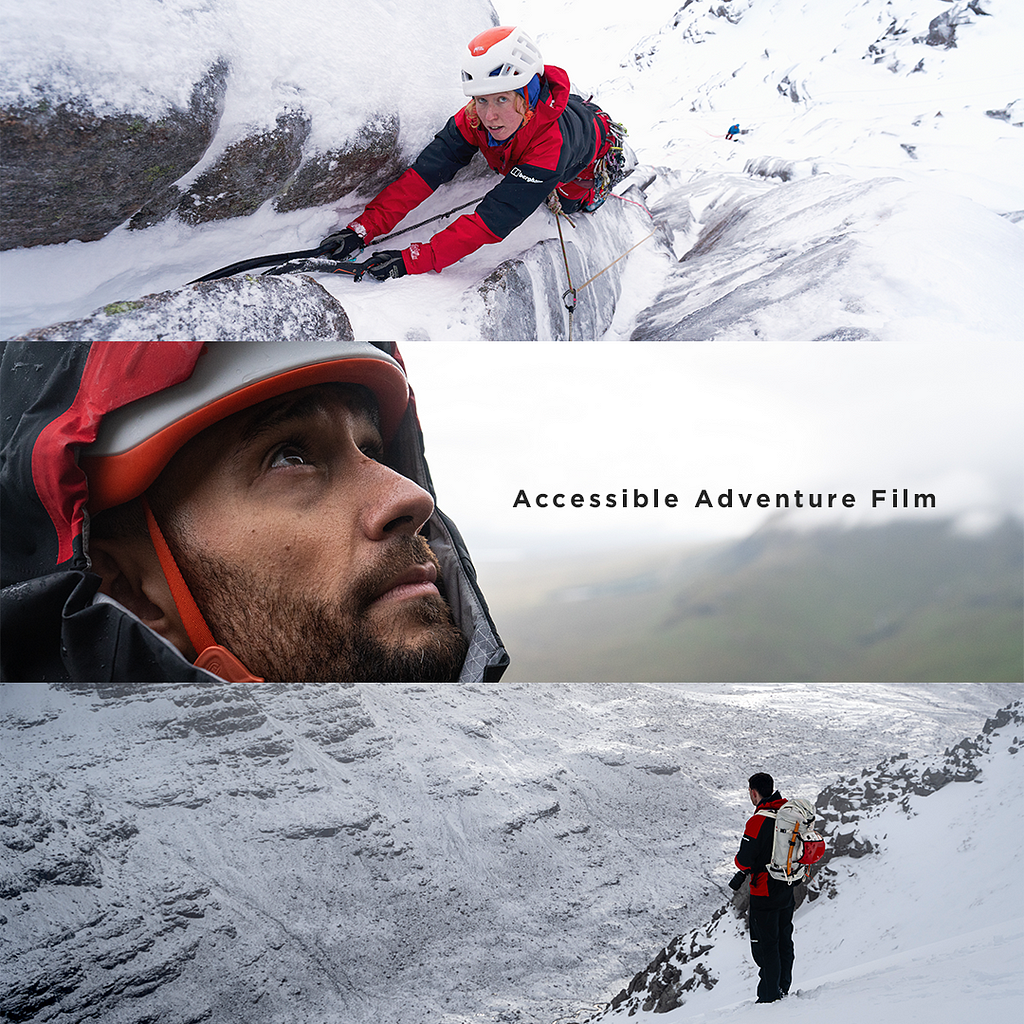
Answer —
131 574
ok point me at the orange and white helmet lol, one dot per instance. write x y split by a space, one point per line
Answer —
500 60
135 442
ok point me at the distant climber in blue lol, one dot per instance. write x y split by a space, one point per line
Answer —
733 131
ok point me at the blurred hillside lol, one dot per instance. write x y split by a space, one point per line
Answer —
899 603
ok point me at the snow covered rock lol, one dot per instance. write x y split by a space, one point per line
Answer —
246 174
257 308
406 854
114 114
70 172
942 28
528 298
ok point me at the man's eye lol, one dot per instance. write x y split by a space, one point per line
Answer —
288 455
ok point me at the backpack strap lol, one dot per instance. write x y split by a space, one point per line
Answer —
789 854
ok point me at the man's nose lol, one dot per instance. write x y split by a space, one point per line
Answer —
395 504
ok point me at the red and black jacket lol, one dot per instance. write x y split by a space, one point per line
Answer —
755 853
560 141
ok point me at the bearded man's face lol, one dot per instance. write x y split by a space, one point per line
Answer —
302 548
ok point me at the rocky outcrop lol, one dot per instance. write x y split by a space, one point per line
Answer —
368 161
248 172
69 172
275 165
256 308
664 983
942 28
92 142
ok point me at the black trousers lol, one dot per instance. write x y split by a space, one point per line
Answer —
771 944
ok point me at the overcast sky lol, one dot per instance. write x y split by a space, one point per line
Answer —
594 419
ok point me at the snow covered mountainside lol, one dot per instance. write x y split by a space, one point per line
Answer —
873 193
394 854
916 913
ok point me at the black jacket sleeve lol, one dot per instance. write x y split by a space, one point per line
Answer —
445 156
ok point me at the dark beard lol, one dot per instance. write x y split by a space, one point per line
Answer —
295 638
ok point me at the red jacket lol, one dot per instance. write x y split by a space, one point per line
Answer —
756 852
555 146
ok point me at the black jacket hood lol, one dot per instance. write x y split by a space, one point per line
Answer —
55 624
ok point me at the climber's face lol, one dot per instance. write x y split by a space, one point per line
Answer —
499 114
303 548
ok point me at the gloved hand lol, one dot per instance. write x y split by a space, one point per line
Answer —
383 265
341 244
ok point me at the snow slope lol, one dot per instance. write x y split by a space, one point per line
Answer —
842 89
927 927
407 854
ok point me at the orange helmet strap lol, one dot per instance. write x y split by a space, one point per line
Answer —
212 657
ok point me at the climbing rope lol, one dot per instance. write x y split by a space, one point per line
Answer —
571 295
570 305
614 261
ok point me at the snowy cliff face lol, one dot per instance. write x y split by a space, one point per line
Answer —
522 299
407 854
896 125
967 877
832 258
111 112
874 191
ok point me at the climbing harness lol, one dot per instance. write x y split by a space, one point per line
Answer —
614 165
306 260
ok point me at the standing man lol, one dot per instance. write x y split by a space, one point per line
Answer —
771 900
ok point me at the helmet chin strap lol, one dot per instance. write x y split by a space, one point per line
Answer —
212 657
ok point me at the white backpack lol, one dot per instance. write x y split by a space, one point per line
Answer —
796 844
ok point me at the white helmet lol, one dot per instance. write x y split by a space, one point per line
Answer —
499 60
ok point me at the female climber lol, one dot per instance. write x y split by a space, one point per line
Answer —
547 143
